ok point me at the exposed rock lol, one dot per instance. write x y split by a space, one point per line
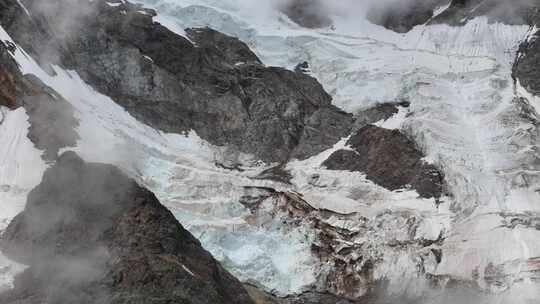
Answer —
377 113
92 235
32 33
389 159
307 13
526 65
401 16
319 298
52 120
232 50
302 67
311 297
292 210
260 296
349 247
10 87
215 85
278 173
509 12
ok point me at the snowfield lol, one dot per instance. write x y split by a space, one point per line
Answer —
464 114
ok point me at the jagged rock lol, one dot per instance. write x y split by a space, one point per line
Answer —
233 50
307 13
302 67
319 298
377 113
342 281
310 297
349 247
215 85
525 67
401 16
10 87
389 159
52 119
92 235
31 32
14 86
509 12
278 173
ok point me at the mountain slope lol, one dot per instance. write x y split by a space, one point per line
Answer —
212 84
445 92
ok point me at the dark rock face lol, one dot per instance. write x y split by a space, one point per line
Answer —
401 16
389 159
302 67
261 297
307 13
92 235
377 113
278 173
510 12
52 121
526 65
232 50
31 33
11 84
215 85
319 298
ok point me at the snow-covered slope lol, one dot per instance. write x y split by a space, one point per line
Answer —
21 169
464 114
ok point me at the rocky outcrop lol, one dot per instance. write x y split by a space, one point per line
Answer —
348 277
302 67
526 65
349 247
401 16
11 84
379 112
261 297
510 12
90 234
52 121
208 82
390 159
307 13
278 173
